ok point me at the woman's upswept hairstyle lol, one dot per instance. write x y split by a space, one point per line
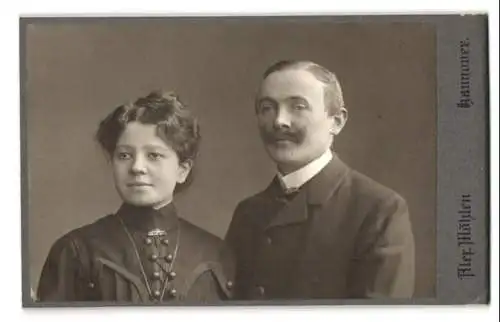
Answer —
175 125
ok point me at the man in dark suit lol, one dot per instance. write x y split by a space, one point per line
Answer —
320 230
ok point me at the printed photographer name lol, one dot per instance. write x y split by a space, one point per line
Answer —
464 238
465 75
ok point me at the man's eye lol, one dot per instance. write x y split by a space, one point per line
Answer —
264 107
299 106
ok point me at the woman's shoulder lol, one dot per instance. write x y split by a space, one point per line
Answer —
97 229
210 254
199 234
197 240
202 241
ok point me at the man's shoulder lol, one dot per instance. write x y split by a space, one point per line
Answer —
365 189
367 185
252 200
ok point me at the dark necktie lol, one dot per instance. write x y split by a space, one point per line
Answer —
289 194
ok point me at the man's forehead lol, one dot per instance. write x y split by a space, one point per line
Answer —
288 83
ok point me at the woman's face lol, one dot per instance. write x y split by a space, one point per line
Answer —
145 168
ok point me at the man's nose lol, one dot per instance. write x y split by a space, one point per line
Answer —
282 118
138 165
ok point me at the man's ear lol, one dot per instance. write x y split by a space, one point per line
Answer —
339 120
183 171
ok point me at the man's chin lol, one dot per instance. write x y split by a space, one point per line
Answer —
282 144
283 155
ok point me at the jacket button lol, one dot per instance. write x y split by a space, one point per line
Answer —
156 275
154 257
261 290
165 241
229 285
169 258
171 275
157 293
269 240
173 292
148 241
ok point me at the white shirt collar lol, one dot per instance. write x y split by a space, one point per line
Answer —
297 178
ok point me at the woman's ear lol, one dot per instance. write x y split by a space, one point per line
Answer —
183 171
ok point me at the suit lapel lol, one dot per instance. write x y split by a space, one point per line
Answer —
321 188
295 211
315 192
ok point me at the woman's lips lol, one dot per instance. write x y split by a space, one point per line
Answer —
139 184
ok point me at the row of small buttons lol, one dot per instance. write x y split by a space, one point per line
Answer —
157 275
154 257
171 293
149 241
261 290
170 275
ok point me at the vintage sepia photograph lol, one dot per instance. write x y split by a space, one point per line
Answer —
234 160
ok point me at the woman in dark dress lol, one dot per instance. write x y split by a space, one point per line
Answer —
143 253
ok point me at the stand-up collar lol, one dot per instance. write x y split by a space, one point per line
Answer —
146 219
296 179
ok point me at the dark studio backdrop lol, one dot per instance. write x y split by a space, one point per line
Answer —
76 73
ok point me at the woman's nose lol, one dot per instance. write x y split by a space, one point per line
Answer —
138 165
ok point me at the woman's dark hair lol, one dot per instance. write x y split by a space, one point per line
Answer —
175 125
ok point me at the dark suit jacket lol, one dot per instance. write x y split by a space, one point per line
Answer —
342 236
98 262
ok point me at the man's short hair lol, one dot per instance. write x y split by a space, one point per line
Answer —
334 100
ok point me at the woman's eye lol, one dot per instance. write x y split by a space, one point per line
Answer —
155 156
123 156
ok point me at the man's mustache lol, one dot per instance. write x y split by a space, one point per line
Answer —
280 135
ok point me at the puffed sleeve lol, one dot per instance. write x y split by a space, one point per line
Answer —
215 281
206 290
62 278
